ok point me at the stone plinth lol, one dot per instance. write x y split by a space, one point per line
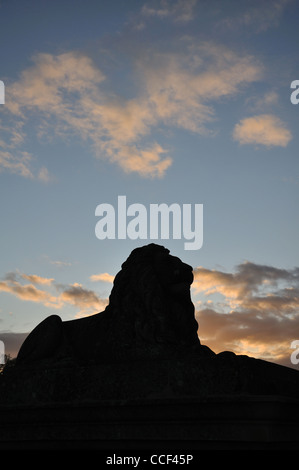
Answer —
219 402
222 422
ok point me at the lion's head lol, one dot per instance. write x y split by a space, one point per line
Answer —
150 300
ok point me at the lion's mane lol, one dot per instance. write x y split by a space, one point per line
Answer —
145 311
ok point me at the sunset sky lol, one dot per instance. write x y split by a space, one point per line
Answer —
183 101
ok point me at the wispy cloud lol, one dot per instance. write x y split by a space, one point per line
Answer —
37 279
68 93
264 129
260 103
13 158
64 90
254 310
183 88
257 16
179 10
16 162
60 263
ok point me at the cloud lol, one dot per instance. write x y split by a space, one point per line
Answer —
61 263
44 175
86 300
212 73
12 158
264 337
41 85
65 91
264 129
37 279
259 103
71 97
51 294
179 10
16 162
254 310
105 277
256 16
30 293
248 277
20 162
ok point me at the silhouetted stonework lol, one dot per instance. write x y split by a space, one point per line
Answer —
143 349
150 314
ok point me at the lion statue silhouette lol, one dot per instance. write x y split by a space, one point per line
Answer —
150 314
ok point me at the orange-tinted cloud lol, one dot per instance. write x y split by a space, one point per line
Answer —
211 72
30 293
67 89
53 295
37 279
105 277
265 129
16 162
254 310
67 92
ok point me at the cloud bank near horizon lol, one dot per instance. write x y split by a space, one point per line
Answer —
253 310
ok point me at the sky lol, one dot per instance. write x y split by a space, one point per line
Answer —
183 101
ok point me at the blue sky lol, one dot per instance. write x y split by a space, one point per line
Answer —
178 101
